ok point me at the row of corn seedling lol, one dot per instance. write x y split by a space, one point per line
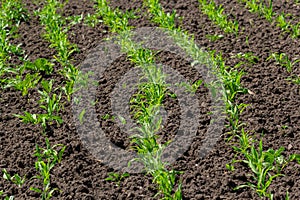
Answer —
145 104
48 157
265 165
55 32
279 19
11 15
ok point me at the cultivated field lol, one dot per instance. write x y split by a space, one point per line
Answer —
61 88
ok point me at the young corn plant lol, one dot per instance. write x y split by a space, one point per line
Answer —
6 197
55 33
150 152
296 30
249 57
91 20
283 60
166 20
40 65
231 79
117 177
29 118
214 38
215 13
265 166
282 23
294 79
192 88
13 12
29 82
47 159
260 8
16 179
48 102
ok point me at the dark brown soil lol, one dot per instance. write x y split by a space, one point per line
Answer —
274 104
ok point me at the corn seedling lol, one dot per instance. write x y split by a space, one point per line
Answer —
47 159
73 20
267 11
230 78
252 5
215 13
214 37
296 30
91 20
192 88
287 195
29 118
166 20
282 23
30 81
294 79
114 19
244 143
41 65
81 116
265 166
283 60
55 33
49 103
16 179
117 177
261 9
249 57
6 197
149 153
13 12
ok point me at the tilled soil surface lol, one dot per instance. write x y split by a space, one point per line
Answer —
275 104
